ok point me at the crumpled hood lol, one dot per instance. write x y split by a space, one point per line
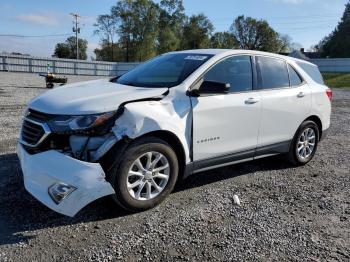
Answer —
97 96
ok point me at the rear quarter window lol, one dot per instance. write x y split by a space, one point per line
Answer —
294 77
313 72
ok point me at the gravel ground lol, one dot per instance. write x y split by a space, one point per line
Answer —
285 214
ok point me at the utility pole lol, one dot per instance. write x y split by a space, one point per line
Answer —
76 30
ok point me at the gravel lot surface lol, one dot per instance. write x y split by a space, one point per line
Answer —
285 214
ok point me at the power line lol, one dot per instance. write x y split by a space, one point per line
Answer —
306 17
32 36
303 22
76 30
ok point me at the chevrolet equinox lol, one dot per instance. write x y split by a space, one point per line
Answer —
134 136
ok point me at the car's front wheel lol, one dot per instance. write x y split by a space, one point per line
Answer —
304 144
146 175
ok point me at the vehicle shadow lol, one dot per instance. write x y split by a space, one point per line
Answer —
231 171
21 213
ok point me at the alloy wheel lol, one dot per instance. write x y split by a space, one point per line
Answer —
148 176
306 143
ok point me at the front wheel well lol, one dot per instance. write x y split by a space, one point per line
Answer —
115 154
318 122
175 144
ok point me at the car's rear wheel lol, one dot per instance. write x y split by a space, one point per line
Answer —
304 144
146 175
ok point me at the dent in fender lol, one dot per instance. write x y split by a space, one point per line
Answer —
144 117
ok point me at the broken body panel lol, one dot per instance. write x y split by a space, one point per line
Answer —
139 117
41 171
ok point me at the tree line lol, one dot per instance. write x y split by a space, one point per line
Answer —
137 30
145 29
337 44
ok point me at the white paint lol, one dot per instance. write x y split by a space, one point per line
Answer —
236 200
40 171
172 114
282 113
96 96
227 118
273 118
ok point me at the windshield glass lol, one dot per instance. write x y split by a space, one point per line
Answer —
164 71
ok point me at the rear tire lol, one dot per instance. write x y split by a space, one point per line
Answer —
146 174
304 144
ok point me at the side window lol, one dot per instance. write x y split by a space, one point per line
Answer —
312 71
273 73
294 77
236 71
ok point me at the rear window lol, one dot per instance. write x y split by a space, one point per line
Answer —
313 72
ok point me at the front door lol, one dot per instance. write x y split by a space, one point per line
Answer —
226 125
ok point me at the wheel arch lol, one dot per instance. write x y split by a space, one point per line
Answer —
318 122
175 144
115 154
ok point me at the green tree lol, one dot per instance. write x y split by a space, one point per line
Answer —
137 28
256 35
285 44
106 49
197 32
106 27
62 50
171 23
223 40
68 49
337 44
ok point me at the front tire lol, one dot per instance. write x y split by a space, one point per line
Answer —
304 144
146 175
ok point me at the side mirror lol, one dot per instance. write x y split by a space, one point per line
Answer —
211 87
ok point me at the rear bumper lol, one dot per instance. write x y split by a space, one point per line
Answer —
41 171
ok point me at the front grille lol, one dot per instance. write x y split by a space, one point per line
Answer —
32 132
39 116
35 128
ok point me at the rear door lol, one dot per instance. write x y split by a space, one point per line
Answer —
227 124
286 102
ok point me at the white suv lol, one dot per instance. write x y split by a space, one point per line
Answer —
134 136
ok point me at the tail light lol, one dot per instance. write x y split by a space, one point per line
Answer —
329 94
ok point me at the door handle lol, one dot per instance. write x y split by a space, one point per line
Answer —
301 95
252 101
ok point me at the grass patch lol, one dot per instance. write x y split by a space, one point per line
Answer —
337 80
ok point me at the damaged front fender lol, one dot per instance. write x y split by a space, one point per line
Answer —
140 118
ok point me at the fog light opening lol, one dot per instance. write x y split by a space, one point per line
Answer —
60 191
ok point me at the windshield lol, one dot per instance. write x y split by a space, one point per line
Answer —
164 71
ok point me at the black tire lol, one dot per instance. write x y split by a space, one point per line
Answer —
119 174
293 156
49 85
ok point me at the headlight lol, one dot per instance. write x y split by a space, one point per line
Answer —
90 121
84 124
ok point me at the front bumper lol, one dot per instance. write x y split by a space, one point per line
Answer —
40 171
